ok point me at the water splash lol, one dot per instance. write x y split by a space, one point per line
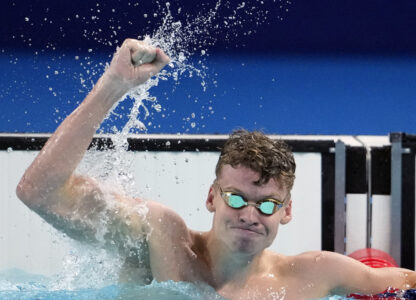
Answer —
169 290
86 268
175 39
185 37
180 38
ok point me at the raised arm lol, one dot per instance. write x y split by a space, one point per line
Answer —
49 186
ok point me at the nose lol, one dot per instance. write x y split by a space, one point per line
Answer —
249 215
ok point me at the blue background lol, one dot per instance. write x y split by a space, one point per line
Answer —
311 67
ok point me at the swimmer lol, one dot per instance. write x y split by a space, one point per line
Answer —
249 199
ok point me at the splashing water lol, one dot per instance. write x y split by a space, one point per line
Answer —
182 36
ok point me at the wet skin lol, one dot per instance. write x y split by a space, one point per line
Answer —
231 257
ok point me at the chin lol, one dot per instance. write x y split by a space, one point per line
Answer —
247 247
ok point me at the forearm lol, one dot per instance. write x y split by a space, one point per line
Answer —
377 280
66 147
47 178
398 278
409 278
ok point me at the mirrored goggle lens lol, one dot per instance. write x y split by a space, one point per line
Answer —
267 207
235 201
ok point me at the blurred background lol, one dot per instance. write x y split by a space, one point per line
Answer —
284 67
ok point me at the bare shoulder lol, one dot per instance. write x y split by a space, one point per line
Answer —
325 263
310 273
164 215
318 267
324 258
165 223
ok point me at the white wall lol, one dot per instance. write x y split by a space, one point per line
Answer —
26 241
381 224
356 222
179 179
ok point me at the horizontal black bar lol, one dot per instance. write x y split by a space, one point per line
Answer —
36 143
22 143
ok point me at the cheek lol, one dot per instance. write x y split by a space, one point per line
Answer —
223 214
274 230
226 217
272 226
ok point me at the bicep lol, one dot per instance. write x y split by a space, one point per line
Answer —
166 224
74 208
89 212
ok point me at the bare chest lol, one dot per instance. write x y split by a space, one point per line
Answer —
272 288
178 263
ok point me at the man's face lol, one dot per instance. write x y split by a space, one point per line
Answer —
246 230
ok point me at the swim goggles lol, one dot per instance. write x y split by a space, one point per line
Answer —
266 206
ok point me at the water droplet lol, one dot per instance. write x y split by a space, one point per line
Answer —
9 150
157 107
181 57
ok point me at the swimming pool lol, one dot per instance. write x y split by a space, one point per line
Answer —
50 269
18 285
47 252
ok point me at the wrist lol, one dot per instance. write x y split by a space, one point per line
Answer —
111 88
106 93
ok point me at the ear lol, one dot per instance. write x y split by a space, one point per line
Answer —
209 203
287 213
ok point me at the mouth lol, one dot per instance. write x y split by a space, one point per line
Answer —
246 231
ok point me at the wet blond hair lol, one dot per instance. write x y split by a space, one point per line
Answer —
254 150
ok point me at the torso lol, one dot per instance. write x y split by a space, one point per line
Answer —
282 277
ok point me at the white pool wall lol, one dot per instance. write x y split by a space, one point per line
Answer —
180 180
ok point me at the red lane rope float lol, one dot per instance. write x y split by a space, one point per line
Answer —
374 258
377 259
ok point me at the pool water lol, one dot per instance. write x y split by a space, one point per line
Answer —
19 285
31 287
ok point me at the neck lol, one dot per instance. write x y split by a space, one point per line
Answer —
227 266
